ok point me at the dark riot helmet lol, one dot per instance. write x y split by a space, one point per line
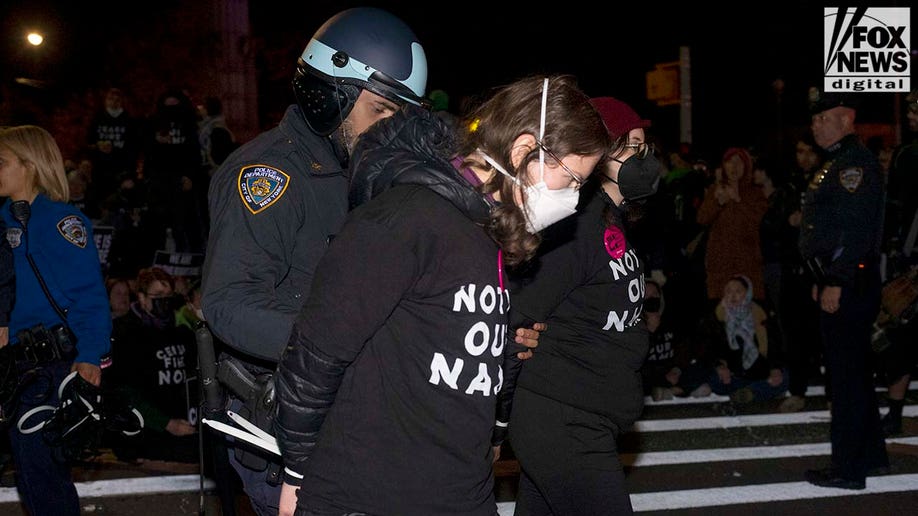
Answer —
360 48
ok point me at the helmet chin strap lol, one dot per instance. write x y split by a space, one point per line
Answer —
345 137
341 116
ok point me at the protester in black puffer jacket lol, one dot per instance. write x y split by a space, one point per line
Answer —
387 388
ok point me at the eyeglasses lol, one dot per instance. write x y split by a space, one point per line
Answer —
579 182
641 150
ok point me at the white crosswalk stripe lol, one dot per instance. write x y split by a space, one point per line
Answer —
760 441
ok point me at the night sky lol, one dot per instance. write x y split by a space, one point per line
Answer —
478 45
736 53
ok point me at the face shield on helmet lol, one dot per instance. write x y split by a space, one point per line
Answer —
359 48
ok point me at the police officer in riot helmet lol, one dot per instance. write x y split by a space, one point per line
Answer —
358 53
277 201
840 235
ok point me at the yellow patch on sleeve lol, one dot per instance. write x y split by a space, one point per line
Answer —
260 186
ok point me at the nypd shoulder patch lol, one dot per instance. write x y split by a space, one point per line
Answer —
73 230
851 178
14 237
260 186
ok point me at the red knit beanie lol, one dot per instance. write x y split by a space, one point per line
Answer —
619 117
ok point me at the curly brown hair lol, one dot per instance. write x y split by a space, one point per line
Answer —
572 126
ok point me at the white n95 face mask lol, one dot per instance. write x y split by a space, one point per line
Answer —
543 206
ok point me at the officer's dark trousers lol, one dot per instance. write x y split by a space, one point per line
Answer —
264 497
45 486
568 460
857 437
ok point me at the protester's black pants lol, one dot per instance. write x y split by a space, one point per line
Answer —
568 460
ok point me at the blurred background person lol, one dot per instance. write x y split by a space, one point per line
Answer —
119 296
800 318
190 313
114 142
670 352
901 235
735 336
172 168
732 210
152 358
217 141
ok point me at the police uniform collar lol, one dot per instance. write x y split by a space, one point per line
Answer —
846 140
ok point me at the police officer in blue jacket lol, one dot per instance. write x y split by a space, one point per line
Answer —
60 303
840 236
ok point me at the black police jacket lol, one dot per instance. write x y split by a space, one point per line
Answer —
274 204
842 222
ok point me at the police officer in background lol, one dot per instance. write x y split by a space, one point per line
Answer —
840 237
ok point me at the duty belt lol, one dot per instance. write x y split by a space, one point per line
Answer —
39 346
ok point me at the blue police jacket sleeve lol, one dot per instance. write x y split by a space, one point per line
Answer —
7 277
78 273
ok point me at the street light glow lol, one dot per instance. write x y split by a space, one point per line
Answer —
35 38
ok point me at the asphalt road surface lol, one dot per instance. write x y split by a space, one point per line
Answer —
684 457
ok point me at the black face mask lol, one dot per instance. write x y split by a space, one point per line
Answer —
652 304
162 308
638 178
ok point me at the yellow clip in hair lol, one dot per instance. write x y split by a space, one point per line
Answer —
473 126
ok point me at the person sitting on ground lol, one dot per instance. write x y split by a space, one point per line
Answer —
670 351
119 296
152 359
735 336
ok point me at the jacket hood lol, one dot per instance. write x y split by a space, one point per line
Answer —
412 147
